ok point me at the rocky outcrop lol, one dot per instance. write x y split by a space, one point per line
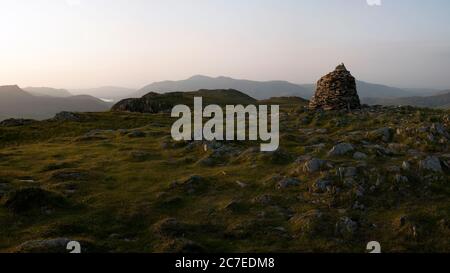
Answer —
158 103
336 91
12 122
67 116
150 103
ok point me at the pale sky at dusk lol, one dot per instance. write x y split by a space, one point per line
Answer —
131 43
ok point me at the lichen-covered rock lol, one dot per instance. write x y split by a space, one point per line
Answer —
336 91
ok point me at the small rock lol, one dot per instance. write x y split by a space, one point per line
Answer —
321 185
359 156
401 179
385 134
350 172
288 182
341 149
431 163
346 226
439 129
314 165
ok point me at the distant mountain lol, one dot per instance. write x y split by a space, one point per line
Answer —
47 91
422 92
436 101
17 103
443 92
112 93
266 90
154 102
255 89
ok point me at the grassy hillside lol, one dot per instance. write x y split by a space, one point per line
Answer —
118 183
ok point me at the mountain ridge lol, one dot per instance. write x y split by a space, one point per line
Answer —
17 103
267 89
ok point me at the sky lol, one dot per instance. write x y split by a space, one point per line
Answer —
131 43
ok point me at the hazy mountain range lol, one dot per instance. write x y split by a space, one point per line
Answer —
441 100
265 90
44 102
111 93
17 103
47 91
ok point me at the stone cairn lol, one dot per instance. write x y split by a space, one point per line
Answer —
336 91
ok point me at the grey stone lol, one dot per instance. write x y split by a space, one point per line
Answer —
359 156
67 116
57 245
341 149
314 165
288 182
431 163
321 185
385 134
346 226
